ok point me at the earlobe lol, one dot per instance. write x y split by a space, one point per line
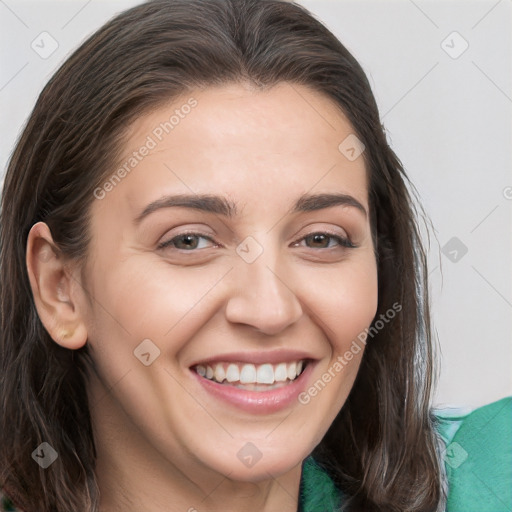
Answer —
51 281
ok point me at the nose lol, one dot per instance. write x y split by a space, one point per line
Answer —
262 297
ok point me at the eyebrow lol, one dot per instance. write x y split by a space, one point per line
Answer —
222 206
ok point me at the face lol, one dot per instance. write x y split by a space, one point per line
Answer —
233 253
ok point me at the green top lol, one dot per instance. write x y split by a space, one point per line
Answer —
478 461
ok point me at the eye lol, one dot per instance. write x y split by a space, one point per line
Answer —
186 242
320 239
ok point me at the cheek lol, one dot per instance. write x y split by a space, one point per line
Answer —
345 302
140 299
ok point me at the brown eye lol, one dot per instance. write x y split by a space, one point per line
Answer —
323 241
186 242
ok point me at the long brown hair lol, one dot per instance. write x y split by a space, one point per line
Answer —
381 448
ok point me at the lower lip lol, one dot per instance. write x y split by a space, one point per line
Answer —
258 402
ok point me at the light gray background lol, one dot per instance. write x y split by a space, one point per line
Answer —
448 117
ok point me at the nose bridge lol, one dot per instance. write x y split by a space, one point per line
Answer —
262 294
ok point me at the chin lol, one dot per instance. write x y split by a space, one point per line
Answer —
252 464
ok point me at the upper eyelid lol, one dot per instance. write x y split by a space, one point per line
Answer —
332 231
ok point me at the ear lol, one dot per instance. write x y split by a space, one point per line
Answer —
54 289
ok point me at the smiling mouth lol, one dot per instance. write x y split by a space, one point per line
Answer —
250 377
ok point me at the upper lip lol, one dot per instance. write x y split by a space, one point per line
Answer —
259 357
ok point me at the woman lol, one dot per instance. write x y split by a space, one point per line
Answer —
213 288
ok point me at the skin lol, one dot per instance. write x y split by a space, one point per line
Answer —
164 443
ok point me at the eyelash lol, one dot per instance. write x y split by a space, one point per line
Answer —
342 241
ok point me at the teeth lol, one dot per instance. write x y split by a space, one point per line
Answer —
292 371
280 375
233 373
219 374
265 374
247 374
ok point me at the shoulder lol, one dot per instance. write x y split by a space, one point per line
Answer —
317 491
478 457
477 452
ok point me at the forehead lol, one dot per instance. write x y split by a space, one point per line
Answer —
253 145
